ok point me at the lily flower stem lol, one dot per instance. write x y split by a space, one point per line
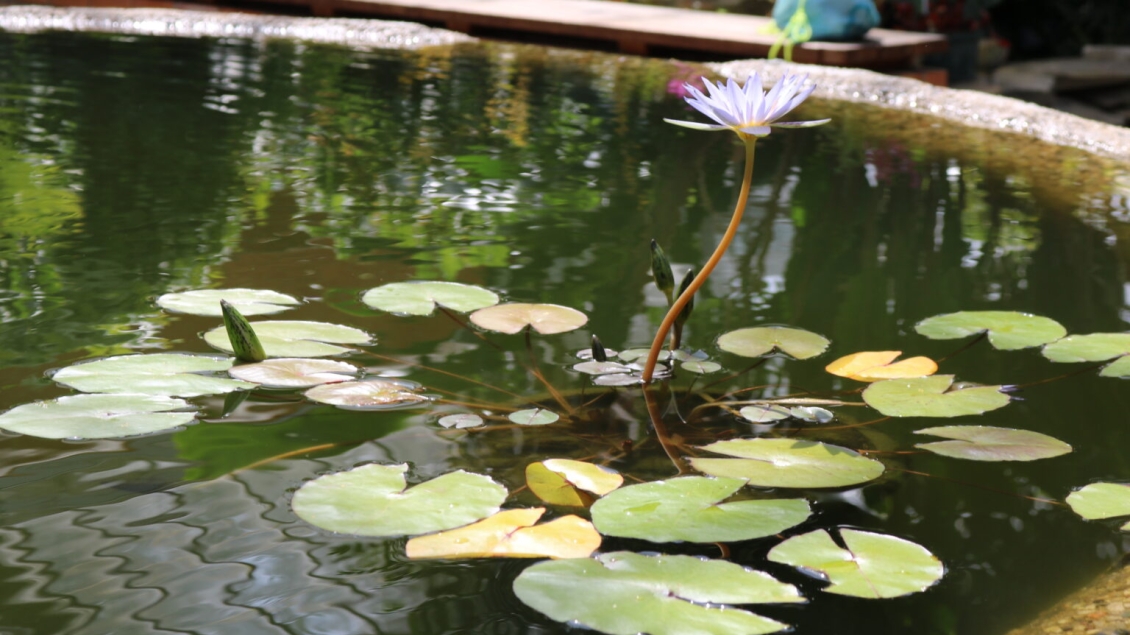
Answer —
700 279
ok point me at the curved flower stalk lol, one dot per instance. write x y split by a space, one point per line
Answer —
751 113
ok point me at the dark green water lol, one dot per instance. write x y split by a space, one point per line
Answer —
131 167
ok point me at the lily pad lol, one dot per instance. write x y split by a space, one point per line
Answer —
765 414
291 338
533 417
876 365
421 298
373 394
167 374
295 372
701 367
623 593
546 319
932 397
461 421
97 416
207 301
984 443
511 534
873 565
1095 347
618 379
632 354
690 509
789 463
371 500
1008 330
761 340
1098 501
812 414
568 482
600 368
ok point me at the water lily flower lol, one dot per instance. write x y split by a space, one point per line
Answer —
748 110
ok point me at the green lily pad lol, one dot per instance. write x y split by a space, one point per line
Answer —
789 463
765 414
633 354
207 301
533 417
371 394
461 421
984 443
1096 347
295 372
873 565
421 298
600 368
701 367
690 509
1101 500
290 338
97 416
1008 330
623 593
546 319
761 340
166 374
932 397
371 500
812 414
618 379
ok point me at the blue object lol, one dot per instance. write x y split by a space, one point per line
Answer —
829 19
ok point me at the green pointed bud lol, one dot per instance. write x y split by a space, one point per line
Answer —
685 314
244 342
661 270
598 352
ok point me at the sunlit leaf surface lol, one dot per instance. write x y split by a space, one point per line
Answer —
876 365
690 509
701 367
1008 330
761 340
546 319
623 593
168 374
813 414
1096 347
765 414
984 443
371 500
557 481
873 565
421 298
461 420
932 397
375 394
1101 500
207 301
788 463
511 534
533 417
618 379
290 338
600 368
296 372
97 416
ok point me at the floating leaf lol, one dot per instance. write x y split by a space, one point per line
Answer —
875 365
932 397
690 509
371 500
460 421
289 338
632 354
873 565
372 394
244 341
624 593
813 414
617 380
511 534
167 374
546 319
789 463
207 301
556 481
984 443
600 368
1096 347
701 367
765 414
1101 500
1008 330
761 340
97 416
295 372
533 417
421 298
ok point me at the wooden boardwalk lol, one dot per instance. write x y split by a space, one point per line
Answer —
631 28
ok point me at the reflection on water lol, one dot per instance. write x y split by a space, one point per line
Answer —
130 167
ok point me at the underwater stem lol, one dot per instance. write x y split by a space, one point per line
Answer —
700 279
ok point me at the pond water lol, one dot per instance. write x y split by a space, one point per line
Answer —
130 167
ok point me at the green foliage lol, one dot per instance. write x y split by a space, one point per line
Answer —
1101 500
1007 330
789 463
762 340
984 443
421 298
935 396
289 338
207 301
166 374
97 416
242 340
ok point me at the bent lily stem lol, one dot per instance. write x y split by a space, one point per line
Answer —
700 279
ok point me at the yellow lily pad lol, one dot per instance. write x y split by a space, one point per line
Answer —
511 534
872 366
546 319
570 483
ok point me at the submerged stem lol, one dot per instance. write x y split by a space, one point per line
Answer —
700 279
